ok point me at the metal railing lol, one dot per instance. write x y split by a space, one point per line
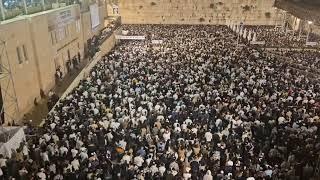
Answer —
10 9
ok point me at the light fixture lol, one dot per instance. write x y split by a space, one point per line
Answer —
309 22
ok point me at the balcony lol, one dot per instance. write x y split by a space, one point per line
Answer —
14 8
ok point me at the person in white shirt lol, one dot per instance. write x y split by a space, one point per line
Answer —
83 155
162 169
45 156
42 175
74 152
52 168
75 164
154 169
122 143
63 150
208 136
166 135
126 159
138 160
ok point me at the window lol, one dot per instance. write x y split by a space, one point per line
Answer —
61 34
53 37
25 53
66 30
19 55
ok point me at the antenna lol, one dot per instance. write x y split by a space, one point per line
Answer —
10 109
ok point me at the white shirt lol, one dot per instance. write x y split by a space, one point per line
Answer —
122 144
154 169
126 159
75 164
186 176
188 121
138 160
42 175
166 136
25 150
162 170
184 126
63 150
83 156
208 136
110 136
74 152
52 168
45 156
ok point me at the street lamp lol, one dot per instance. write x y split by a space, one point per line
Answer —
240 28
309 29
284 24
277 15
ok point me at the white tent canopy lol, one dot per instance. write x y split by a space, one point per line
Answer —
11 138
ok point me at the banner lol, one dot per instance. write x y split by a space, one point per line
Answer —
59 19
94 14
130 37
311 43
157 41
124 32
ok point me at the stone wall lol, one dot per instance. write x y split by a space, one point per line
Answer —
42 49
253 12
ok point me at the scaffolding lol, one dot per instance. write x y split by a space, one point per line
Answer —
10 109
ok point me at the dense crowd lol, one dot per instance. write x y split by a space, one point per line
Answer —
306 58
95 42
193 107
278 37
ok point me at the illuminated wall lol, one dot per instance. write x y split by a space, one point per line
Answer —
197 11
48 39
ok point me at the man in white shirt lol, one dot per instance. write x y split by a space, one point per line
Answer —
75 164
126 159
208 136
138 160
42 175
74 152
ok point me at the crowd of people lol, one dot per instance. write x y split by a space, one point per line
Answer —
193 107
278 37
95 42
306 58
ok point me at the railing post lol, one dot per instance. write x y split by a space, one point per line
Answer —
43 5
25 6
3 15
